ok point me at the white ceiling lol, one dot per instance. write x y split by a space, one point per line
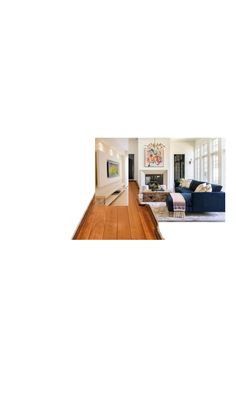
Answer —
121 144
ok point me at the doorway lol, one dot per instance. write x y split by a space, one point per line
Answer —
131 166
179 166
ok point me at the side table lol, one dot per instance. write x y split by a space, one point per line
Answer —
155 196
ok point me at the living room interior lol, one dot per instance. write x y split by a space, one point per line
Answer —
142 182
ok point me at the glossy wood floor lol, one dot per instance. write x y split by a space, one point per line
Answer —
132 222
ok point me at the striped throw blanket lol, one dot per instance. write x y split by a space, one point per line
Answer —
178 204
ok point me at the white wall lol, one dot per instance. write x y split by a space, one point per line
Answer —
125 173
105 153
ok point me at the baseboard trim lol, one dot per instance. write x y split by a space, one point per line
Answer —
83 218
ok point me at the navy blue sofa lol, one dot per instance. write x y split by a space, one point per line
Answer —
199 201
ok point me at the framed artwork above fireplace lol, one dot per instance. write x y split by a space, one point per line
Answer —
153 158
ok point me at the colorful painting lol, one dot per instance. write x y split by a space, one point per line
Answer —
112 168
153 157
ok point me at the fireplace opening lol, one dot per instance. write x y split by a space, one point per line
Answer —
154 181
154 178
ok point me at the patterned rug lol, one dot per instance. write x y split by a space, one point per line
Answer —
161 213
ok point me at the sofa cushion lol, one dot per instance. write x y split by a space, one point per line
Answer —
204 187
188 200
194 184
181 190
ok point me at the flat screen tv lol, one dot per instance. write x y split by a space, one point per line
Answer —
112 168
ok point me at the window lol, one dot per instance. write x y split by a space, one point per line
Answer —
204 161
204 149
197 163
214 160
205 168
209 160
215 168
215 145
223 163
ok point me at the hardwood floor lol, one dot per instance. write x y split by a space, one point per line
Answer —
132 222
122 200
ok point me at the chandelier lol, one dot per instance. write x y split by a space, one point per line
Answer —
156 147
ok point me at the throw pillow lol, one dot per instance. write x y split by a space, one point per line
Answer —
216 188
194 184
208 187
185 183
203 188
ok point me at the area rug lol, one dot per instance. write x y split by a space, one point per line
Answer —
161 213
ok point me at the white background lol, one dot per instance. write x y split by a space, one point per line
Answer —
111 329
